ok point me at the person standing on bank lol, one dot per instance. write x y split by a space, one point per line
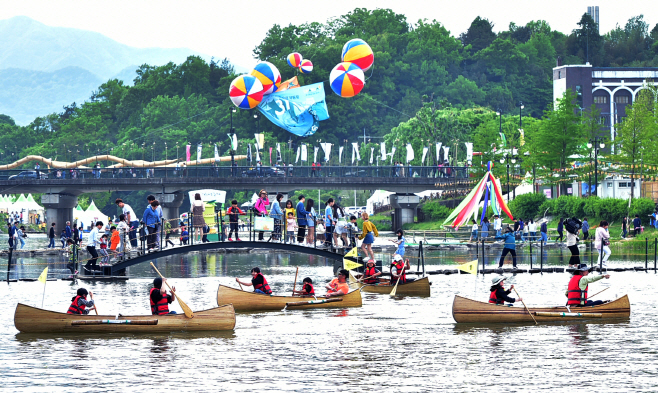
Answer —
624 227
131 220
51 235
509 248
585 228
260 208
578 285
198 207
543 231
301 220
560 230
94 239
637 225
498 294
572 245
602 242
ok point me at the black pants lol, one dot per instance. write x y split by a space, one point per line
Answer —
505 252
575 255
559 237
276 235
91 264
585 235
233 227
151 237
328 235
301 232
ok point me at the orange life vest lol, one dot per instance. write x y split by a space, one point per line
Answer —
575 296
265 287
161 307
74 308
370 271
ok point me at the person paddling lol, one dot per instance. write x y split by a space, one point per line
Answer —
159 298
80 304
578 285
338 286
307 288
258 281
499 295
370 275
399 270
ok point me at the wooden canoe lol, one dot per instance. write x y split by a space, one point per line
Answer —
471 311
28 319
419 287
250 301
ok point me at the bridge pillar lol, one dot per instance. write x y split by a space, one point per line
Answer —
170 204
59 208
405 209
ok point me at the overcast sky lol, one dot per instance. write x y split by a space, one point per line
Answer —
233 28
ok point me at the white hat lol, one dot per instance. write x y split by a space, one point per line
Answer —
497 280
397 257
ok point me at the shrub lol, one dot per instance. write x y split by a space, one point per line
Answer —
527 205
436 211
643 207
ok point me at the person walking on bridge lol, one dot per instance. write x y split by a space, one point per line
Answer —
260 208
301 220
131 219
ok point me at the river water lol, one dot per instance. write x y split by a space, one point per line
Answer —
390 344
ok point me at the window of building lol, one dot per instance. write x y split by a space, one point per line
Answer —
623 185
600 99
559 74
621 99
609 184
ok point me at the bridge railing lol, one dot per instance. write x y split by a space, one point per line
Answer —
397 172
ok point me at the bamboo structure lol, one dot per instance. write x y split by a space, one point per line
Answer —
120 162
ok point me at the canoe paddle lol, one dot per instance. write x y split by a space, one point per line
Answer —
294 285
526 307
598 293
91 295
395 289
188 312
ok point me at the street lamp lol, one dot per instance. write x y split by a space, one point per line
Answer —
521 106
596 143
506 158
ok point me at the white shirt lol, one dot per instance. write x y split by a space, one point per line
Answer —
129 210
475 227
498 224
532 227
93 238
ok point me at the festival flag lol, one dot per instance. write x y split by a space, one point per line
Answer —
216 154
304 153
383 150
372 153
297 159
199 147
446 149
503 139
438 152
340 154
315 153
469 267
187 151
425 150
350 265
270 156
278 153
44 275
260 140
355 152
469 151
249 156
326 148
354 253
410 153
392 154
234 141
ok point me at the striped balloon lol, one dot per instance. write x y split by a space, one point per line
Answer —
357 51
268 75
246 91
306 66
294 60
347 80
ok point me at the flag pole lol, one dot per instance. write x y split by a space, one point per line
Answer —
44 293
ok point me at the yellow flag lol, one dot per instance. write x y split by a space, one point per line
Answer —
469 267
44 275
349 265
353 253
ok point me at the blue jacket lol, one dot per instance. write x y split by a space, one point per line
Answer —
585 226
68 232
510 241
275 211
301 214
150 217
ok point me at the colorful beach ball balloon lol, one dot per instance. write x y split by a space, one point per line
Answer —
306 66
346 80
246 91
295 60
268 75
358 52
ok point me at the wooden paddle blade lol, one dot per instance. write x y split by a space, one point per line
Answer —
188 311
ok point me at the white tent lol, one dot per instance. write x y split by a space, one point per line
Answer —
33 205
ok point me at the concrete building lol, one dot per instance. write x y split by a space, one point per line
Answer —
594 13
611 89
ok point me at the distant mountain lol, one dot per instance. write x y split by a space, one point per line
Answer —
43 68
26 94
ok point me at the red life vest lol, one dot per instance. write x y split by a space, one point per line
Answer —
399 265
575 296
312 291
161 307
494 299
265 287
74 308
370 271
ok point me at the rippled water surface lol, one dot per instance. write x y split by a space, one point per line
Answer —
390 344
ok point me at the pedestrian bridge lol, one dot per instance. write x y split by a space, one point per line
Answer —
334 254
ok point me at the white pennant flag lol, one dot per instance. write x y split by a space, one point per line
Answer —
249 156
372 153
257 154
297 159
340 154
469 151
392 154
355 152
304 153
279 158
425 150
326 148
410 153
216 154
383 150
445 153
199 147
315 153
438 149
260 140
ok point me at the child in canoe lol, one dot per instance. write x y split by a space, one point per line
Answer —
307 289
498 294
258 281
371 274
338 286
80 304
